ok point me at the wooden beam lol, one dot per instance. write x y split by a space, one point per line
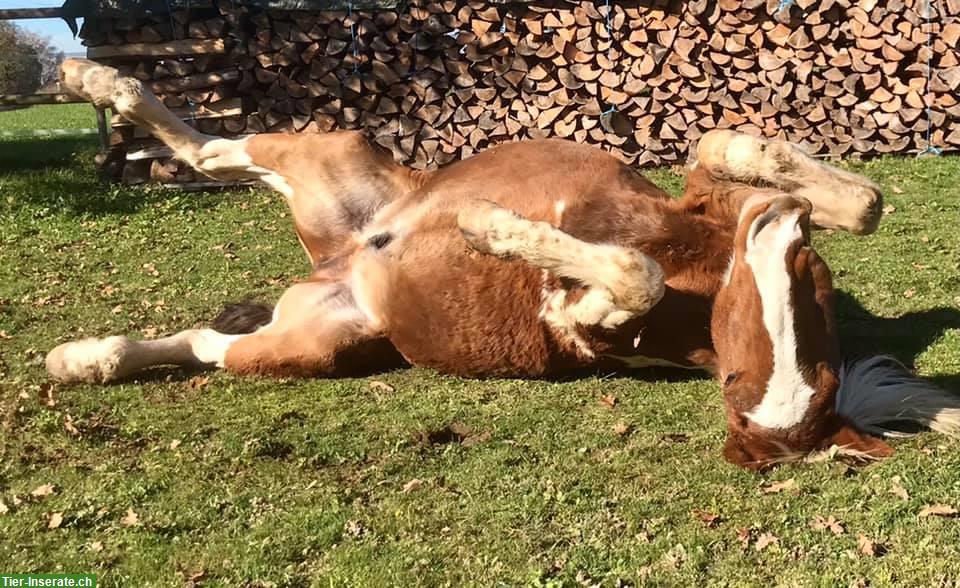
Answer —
196 81
31 99
168 49
149 153
23 13
231 107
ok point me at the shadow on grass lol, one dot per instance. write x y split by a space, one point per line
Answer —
905 337
60 174
21 155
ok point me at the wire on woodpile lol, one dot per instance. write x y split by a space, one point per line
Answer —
353 39
930 149
613 107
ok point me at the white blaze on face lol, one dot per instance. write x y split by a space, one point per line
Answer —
787 396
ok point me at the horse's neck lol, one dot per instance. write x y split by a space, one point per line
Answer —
692 245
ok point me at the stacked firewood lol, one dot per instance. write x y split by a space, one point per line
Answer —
185 57
442 79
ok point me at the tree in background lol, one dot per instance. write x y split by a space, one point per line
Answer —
27 61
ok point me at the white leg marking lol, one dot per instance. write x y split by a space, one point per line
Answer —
104 360
621 283
841 199
787 396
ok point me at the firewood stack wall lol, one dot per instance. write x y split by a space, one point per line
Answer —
441 79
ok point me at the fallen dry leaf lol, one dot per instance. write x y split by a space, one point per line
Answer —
174 444
130 519
919 266
198 382
868 548
42 491
46 395
777 487
354 528
743 536
609 400
909 292
68 425
833 525
56 519
709 519
889 209
897 490
377 384
96 546
4 509
621 428
896 189
938 510
194 578
765 540
412 485
4 335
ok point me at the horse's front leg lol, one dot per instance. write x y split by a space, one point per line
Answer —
731 167
621 283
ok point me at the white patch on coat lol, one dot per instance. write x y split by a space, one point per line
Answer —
787 397
112 358
558 207
555 312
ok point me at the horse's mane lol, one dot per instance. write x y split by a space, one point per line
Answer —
880 396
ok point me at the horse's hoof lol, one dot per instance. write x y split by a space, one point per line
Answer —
94 361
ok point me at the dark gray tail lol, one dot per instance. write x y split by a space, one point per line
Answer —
242 318
879 395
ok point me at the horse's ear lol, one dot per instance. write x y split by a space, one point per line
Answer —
849 438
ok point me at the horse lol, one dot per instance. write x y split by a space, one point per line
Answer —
542 259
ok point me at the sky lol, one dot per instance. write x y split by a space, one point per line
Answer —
53 28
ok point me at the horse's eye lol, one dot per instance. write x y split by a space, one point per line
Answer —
731 378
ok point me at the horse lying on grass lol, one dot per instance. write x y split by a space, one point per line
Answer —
541 258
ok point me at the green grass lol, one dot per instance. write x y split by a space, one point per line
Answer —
249 482
56 116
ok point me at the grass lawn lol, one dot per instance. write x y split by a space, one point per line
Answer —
214 479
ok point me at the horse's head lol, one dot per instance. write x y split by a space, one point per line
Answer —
774 333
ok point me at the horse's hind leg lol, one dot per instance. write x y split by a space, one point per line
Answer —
316 329
105 87
840 199
333 182
621 283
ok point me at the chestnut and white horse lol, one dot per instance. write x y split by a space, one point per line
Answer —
538 259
